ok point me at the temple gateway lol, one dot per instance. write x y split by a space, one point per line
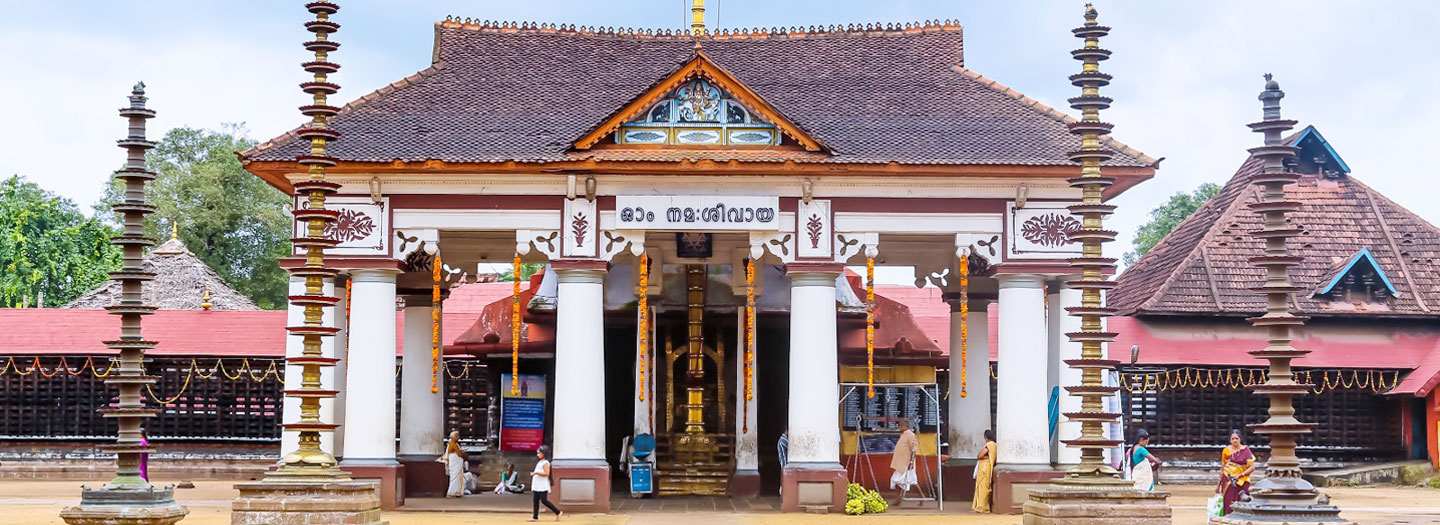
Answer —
695 203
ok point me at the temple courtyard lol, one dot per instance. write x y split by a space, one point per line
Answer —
39 502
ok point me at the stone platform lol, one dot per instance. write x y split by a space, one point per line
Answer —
1078 506
307 503
120 506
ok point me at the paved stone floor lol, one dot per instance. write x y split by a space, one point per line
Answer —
26 502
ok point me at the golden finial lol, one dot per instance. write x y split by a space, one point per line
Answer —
205 301
174 230
697 17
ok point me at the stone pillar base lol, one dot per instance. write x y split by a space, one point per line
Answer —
1251 513
124 506
813 485
1012 484
390 476
580 485
1089 506
959 475
425 479
306 503
745 484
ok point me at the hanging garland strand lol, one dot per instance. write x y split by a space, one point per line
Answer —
964 324
515 330
749 360
869 326
643 311
1190 377
434 325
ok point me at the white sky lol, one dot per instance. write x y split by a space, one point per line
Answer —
1186 73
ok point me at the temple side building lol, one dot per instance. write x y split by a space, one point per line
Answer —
1370 286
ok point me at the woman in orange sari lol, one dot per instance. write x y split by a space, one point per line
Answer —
984 468
1236 465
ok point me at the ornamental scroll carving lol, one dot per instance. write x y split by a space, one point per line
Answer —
351 226
1050 229
362 227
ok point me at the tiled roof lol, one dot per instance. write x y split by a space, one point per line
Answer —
525 94
1202 267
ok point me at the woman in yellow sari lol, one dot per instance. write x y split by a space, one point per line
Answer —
984 471
1236 465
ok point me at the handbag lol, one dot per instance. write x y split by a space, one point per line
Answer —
1215 507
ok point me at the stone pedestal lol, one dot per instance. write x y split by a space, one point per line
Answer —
427 479
803 486
745 484
306 503
959 477
1013 483
1085 506
390 476
580 485
122 506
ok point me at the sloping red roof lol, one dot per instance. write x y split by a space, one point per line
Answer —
525 94
1202 267
238 333
488 328
1424 378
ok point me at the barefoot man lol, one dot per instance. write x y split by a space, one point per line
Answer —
903 462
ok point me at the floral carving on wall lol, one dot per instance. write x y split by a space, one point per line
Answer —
351 226
814 227
579 225
1050 230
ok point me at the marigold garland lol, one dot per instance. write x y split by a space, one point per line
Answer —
749 361
869 326
515 330
964 324
643 310
434 325
348 282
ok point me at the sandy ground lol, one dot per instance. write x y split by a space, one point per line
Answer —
39 502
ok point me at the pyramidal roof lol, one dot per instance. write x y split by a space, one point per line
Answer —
1203 265
528 93
180 282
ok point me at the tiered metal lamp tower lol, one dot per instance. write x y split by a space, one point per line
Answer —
129 498
1092 492
1092 264
1283 496
310 460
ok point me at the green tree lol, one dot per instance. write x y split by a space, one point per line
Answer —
230 219
1166 217
48 248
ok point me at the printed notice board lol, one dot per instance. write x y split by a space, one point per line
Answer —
522 415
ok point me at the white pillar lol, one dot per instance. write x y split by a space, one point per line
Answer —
747 444
295 347
970 414
422 412
1061 323
370 440
337 372
1022 424
580 366
814 376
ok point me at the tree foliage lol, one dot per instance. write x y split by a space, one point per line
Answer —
229 218
1166 217
48 247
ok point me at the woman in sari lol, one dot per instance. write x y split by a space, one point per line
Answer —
454 461
1236 465
144 459
984 468
1143 463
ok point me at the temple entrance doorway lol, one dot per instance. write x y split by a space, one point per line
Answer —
695 382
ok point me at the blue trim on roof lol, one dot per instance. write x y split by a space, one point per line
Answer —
1310 130
1364 253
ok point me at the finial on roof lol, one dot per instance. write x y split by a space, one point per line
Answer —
205 300
174 230
697 17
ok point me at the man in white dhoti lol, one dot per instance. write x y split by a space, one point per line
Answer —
903 461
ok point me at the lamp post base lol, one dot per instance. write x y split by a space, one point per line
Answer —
1102 505
125 506
306 502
